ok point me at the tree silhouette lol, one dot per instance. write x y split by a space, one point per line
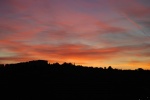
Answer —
77 81
110 68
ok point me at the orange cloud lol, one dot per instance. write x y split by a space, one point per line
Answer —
73 30
66 52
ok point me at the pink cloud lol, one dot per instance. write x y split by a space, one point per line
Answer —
50 29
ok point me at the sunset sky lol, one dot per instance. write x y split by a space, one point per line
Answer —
86 32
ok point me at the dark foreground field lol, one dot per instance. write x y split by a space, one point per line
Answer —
40 80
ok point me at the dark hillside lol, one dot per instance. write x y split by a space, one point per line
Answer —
38 79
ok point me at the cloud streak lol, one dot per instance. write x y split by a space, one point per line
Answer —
91 32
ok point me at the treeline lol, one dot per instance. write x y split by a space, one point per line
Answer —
76 81
42 69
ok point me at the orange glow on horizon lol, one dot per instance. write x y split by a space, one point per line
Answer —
94 33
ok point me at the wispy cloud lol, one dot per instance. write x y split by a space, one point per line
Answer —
90 32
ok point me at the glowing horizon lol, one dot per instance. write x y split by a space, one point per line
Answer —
96 33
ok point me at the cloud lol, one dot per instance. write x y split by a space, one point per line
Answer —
78 53
74 30
140 63
133 10
106 28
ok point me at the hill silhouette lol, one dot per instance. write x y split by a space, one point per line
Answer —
67 80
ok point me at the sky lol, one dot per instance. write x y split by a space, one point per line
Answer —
96 33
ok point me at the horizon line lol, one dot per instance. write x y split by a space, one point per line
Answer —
74 64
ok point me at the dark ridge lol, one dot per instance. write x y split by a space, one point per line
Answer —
67 80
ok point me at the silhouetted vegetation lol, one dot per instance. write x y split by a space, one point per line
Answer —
72 81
